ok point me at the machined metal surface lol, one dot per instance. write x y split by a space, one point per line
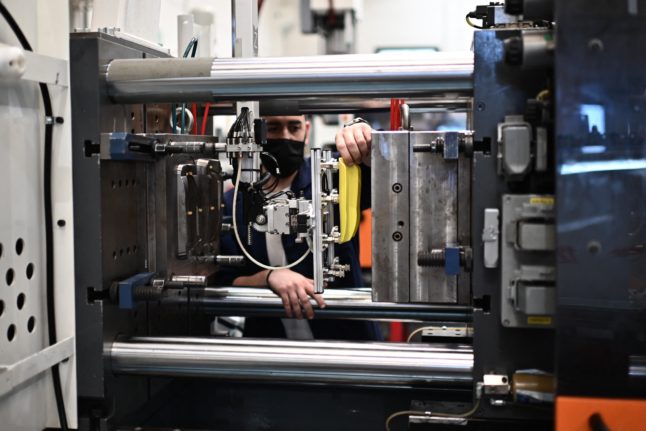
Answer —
417 184
340 304
295 361
366 75
433 220
390 220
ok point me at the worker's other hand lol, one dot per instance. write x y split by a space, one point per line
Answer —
295 292
354 143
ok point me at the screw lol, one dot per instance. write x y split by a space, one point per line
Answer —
397 187
595 45
481 106
397 236
594 247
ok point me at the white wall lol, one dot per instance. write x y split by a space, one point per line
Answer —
385 23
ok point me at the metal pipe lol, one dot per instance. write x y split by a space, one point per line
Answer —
296 361
345 105
341 304
369 75
317 229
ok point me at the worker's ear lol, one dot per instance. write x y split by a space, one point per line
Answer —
308 125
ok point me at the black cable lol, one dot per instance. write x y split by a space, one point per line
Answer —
596 423
470 23
49 242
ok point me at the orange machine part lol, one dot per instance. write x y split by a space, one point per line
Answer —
572 413
365 239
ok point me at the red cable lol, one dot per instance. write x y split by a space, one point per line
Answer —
205 117
395 113
194 111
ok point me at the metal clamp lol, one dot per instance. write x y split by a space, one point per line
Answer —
126 289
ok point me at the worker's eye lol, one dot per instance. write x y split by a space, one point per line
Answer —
295 128
272 129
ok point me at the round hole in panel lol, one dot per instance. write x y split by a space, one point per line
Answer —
30 270
1 307
9 276
20 301
20 245
31 324
0 249
11 332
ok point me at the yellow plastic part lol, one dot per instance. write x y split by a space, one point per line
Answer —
349 200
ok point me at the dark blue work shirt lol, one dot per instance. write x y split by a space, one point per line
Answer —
347 253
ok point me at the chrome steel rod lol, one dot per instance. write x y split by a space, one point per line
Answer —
345 105
371 75
296 361
341 304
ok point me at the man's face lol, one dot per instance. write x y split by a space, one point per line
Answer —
287 127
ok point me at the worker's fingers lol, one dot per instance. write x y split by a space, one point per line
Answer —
305 303
318 298
351 144
367 133
296 304
342 149
362 145
286 305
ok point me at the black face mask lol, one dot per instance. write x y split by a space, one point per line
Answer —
287 152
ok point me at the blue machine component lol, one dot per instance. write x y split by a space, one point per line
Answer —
452 260
127 289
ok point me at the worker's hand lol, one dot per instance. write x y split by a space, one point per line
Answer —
354 143
295 292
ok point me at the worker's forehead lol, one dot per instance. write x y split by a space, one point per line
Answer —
287 119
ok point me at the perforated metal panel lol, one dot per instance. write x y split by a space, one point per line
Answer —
27 397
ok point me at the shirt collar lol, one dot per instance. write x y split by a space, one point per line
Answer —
303 179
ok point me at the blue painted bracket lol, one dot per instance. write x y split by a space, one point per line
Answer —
127 289
452 260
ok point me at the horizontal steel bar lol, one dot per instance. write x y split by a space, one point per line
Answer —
341 304
372 75
345 105
296 361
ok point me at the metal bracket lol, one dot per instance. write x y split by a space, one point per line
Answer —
496 384
13 375
126 146
45 69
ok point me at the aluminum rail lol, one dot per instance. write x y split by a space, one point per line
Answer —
371 75
341 304
296 361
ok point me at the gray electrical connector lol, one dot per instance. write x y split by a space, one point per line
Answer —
514 147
